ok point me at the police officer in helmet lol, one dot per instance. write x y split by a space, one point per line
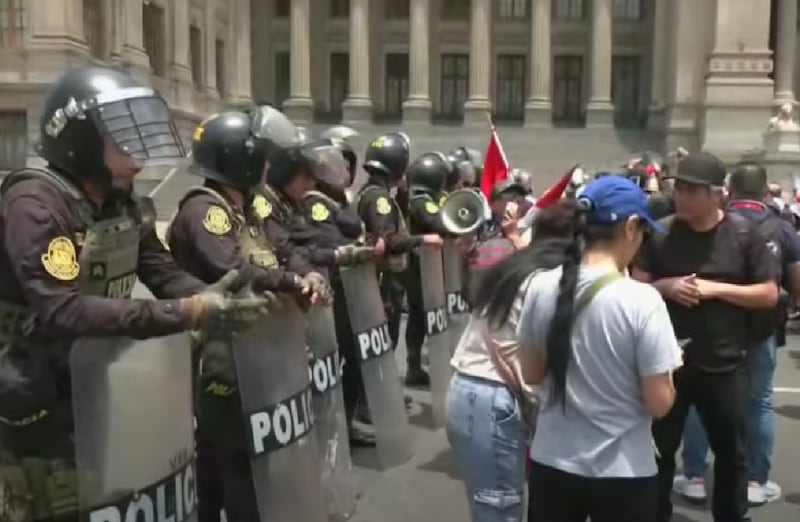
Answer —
219 227
59 286
427 177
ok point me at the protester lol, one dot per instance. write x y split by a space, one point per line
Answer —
714 269
750 198
489 410
604 360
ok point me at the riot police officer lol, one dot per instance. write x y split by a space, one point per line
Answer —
427 176
75 238
466 168
337 226
385 162
218 228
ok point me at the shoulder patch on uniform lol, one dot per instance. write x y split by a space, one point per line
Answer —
442 199
319 212
383 206
217 221
261 207
60 260
431 207
378 142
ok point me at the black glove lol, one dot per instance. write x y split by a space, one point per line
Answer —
354 254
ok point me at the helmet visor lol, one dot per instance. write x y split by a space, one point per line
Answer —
142 128
326 163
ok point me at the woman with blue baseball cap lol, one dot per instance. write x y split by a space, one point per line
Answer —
603 350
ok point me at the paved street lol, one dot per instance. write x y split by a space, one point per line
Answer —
427 489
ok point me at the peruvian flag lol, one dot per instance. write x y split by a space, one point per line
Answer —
554 193
495 164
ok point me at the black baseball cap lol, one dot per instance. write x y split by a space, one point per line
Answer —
702 168
748 178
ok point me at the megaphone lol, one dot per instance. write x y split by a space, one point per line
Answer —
463 211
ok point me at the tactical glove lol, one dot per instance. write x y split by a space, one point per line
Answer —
315 283
354 254
216 311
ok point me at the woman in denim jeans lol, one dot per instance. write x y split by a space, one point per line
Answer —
485 424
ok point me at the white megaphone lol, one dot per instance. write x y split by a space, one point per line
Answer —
463 211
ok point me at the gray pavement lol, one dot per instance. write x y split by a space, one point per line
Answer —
427 488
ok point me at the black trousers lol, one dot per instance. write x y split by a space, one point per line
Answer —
557 496
352 385
391 287
224 481
415 327
722 401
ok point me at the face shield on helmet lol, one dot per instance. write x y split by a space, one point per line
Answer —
268 123
326 164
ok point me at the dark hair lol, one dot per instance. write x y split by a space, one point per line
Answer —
748 180
496 290
558 346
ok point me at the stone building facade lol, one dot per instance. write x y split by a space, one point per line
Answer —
700 72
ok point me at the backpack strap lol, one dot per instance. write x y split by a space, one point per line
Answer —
594 289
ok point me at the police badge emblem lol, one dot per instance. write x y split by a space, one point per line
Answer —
60 261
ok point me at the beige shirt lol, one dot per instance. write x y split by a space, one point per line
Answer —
472 356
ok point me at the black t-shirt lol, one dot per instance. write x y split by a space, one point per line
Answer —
718 329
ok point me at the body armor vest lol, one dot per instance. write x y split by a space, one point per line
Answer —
397 262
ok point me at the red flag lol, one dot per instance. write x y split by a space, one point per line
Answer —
554 193
495 164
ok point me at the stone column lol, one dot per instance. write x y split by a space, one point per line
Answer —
262 64
418 106
738 91
181 66
785 51
210 32
357 108
299 107
478 106
239 23
539 108
655 119
600 111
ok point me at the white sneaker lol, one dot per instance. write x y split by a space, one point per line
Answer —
693 490
771 490
755 494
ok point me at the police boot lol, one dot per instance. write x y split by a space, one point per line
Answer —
416 376
360 439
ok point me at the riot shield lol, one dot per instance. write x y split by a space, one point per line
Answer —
274 385
457 308
378 366
437 339
331 425
134 437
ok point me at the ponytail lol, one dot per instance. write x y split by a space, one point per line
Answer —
558 342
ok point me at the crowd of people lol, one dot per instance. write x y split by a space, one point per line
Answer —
605 322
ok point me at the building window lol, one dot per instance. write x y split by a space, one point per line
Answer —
512 9
454 85
568 89
510 87
94 27
153 32
572 10
13 140
222 78
396 83
628 9
196 55
340 8
282 8
12 22
282 77
397 10
455 9
626 90
340 80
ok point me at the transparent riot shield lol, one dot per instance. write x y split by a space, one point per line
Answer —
436 336
457 308
378 366
331 422
134 437
274 385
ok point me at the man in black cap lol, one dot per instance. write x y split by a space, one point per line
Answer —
715 270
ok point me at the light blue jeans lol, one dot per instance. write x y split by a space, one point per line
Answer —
761 427
489 441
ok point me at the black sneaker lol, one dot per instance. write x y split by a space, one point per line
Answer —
417 377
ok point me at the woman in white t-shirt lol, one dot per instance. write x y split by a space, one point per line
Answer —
485 424
603 349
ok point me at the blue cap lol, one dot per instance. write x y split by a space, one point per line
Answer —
614 199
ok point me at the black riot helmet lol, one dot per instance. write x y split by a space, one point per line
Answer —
428 174
224 149
340 136
320 158
90 109
453 175
387 156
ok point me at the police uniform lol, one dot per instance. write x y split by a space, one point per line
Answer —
68 265
427 176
